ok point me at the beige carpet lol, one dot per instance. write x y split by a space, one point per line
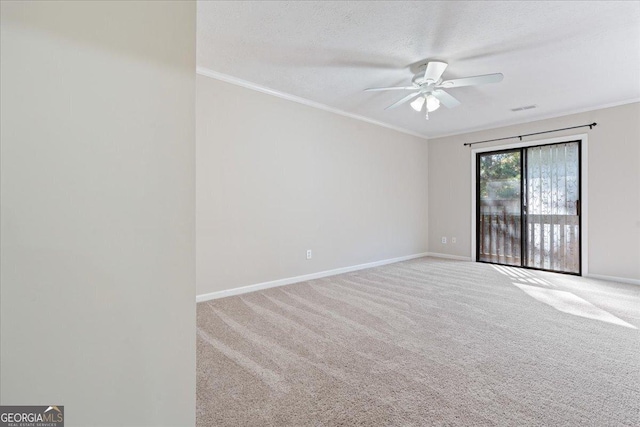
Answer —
423 342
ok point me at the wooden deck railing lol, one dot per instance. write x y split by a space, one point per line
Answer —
500 238
553 240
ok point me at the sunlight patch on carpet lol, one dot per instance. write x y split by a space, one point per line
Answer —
572 304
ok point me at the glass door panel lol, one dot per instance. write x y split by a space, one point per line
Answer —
552 207
499 184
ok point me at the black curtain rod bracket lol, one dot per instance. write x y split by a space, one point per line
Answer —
590 125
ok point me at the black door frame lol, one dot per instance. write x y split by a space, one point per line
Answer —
523 207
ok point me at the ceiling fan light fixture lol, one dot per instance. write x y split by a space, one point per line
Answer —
418 103
427 85
433 103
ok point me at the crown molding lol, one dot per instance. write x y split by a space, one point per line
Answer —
203 71
537 119
263 89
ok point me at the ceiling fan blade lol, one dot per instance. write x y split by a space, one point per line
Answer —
472 81
434 70
446 99
375 89
403 100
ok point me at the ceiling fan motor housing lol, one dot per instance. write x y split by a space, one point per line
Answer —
423 83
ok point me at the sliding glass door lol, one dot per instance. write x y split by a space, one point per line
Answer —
528 207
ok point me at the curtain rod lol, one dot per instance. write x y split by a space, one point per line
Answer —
591 125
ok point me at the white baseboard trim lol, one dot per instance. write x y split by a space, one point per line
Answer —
303 278
447 256
614 279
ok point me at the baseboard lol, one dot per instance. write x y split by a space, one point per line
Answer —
592 276
303 278
614 279
447 256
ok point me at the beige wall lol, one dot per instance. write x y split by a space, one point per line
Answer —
613 186
98 265
276 178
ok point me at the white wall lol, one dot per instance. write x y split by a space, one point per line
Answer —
613 186
276 178
98 264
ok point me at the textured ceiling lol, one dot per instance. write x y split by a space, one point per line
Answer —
563 57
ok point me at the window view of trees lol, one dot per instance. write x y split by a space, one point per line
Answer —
500 176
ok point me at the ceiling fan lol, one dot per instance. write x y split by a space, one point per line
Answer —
428 87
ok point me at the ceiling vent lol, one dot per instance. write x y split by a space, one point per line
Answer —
526 107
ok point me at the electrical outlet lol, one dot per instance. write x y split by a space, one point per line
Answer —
453 240
444 240
309 254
